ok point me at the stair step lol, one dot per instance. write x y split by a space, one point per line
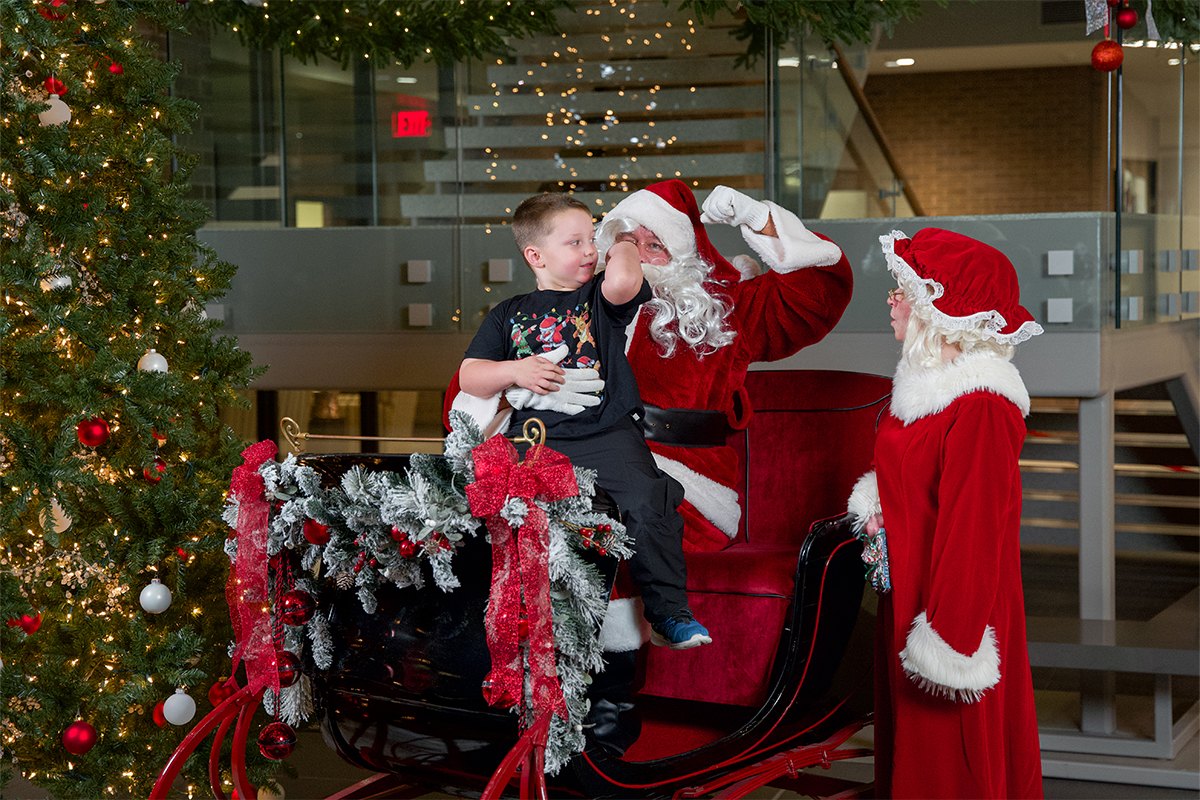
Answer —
1153 500
1120 439
1159 528
1123 470
1070 405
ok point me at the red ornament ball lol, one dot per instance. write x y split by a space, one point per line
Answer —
315 532
1114 3
1107 55
399 535
116 69
30 623
153 472
408 548
54 10
277 741
78 738
296 607
220 691
1126 18
289 667
55 86
92 432
160 719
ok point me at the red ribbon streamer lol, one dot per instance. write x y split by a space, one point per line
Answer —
247 591
520 568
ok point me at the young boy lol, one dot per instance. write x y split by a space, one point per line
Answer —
588 313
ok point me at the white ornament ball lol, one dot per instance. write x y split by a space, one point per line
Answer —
56 114
56 282
152 362
155 598
270 791
58 519
179 708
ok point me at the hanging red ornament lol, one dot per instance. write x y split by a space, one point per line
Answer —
116 69
1114 3
55 86
26 622
221 691
399 535
92 432
55 10
289 667
408 548
277 741
315 532
1126 18
153 472
296 607
1107 55
78 738
160 719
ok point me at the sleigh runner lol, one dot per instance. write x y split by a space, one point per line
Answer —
397 669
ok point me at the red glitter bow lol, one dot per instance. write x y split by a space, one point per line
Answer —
520 569
248 586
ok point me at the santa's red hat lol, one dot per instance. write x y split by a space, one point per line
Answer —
669 211
959 283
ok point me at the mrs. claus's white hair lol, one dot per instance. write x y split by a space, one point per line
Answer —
923 340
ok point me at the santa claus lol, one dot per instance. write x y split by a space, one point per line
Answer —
708 321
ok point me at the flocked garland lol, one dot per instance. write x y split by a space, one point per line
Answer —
380 527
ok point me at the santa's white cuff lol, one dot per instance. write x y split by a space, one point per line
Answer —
483 410
796 246
941 670
864 501
625 627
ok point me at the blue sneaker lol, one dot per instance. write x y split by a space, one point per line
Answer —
679 632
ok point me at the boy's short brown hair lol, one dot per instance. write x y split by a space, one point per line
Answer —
535 216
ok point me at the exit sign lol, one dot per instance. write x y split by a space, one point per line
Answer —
410 123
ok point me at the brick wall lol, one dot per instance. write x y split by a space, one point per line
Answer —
1026 141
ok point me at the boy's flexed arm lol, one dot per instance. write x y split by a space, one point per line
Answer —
483 378
622 273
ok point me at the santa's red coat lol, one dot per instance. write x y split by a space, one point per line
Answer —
954 708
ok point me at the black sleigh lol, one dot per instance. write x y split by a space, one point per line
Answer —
784 684
779 689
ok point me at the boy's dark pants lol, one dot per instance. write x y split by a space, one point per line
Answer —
649 501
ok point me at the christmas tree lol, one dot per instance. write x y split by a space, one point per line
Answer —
114 461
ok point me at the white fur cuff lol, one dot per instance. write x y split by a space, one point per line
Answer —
625 627
796 246
484 410
864 501
941 670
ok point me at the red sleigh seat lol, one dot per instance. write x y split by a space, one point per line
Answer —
811 437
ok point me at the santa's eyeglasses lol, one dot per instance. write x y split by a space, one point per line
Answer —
895 295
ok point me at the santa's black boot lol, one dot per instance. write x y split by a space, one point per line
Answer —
613 722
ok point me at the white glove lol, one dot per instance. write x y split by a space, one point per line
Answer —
734 208
572 396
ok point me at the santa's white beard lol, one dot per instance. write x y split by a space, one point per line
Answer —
680 297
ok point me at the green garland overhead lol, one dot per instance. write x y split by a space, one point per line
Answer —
408 31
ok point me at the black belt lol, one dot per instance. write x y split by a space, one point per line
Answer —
685 427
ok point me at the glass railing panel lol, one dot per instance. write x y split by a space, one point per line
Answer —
236 139
329 114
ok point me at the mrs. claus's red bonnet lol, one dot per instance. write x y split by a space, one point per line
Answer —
969 285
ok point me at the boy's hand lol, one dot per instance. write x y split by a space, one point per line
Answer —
622 255
575 394
622 273
537 374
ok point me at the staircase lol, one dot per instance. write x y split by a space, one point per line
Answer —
1123 688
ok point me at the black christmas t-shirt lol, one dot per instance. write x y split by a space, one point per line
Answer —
593 330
